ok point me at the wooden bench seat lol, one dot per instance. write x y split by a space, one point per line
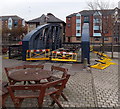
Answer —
3 93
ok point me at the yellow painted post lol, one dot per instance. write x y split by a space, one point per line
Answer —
76 56
72 56
45 53
56 55
63 55
30 53
27 54
49 52
52 55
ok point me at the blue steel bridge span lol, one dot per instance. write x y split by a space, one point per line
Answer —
48 36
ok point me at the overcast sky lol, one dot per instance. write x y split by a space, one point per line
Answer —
30 9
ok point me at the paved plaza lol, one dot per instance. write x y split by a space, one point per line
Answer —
86 87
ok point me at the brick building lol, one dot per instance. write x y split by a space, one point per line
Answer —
101 24
10 23
116 30
43 19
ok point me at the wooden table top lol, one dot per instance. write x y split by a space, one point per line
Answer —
30 74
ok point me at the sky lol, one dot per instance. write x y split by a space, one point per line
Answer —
30 9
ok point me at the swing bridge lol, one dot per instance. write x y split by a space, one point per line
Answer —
44 42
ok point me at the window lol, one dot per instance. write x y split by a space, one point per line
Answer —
31 25
86 19
78 24
77 17
15 23
97 13
96 27
78 38
116 39
97 31
23 22
68 18
77 31
68 25
97 34
9 26
106 31
106 39
96 20
69 39
116 13
97 39
10 23
78 21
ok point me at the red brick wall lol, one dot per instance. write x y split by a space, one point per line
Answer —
73 26
91 25
107 25
68 29
71 31
19 22
5 23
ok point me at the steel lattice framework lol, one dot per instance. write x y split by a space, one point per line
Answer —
48 36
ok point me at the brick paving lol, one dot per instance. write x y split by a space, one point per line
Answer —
106 86
85 88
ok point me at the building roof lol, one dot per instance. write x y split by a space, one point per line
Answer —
71 15
39 19
49 18
14 17
91 12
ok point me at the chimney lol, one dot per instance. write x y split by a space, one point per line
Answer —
50 14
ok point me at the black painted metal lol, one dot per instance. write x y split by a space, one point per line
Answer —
85 44
47 36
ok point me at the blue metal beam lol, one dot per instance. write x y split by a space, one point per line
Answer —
47 36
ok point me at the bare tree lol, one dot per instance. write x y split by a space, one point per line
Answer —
16 33
115 23
98 5
107 19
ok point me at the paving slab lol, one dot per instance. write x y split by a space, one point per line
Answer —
85 88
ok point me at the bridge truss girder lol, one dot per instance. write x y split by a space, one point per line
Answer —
48 36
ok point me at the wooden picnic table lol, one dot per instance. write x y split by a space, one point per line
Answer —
3 93
30 75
